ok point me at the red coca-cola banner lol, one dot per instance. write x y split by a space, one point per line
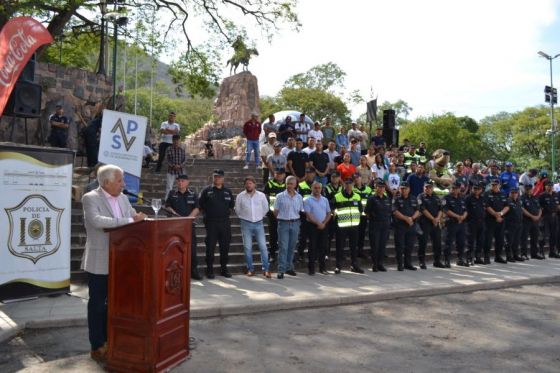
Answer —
19 39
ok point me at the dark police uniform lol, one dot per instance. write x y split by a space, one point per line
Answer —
514 223
184 204
455 230
58 136
217 203
364 192
494 230
271 190
304 189
330 191
405 234
549 204
476 210
379 211
432 204
530 228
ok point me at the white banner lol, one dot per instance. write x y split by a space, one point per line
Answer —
122 141
35 219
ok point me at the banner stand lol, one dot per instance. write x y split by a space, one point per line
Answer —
35 220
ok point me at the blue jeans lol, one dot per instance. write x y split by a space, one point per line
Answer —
253 145
288 233
248 230
322 180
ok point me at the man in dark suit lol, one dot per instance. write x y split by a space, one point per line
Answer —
104 207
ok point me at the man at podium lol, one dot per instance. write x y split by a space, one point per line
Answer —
104 207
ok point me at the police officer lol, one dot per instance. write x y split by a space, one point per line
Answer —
430 222
364 191
330 191
379 210
59 128
304 189
184 202
217 203
271 189
476 211
405 211
514 221
496 208
532 213
456 210
549 207
347 207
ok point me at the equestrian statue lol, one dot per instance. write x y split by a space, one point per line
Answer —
241 55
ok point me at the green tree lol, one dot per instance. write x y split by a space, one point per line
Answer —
196 73
443 132
191 113
269 105
316 103
522 137
401 107
326 77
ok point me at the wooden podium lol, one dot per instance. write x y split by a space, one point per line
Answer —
149 295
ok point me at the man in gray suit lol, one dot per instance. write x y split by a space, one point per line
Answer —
104 207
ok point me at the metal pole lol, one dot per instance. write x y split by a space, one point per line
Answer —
553 122
115 66
101 68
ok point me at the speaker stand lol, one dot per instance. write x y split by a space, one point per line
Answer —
13 127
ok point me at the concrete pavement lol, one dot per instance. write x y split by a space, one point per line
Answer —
243 295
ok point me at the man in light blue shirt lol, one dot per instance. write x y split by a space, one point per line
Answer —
318 213
287 208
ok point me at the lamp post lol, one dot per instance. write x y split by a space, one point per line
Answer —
117 21
101 66
553 121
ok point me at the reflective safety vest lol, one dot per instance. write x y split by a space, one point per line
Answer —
347 210
331 190
364 193
275 188
304 189
409 158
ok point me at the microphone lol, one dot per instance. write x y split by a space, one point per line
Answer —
128 193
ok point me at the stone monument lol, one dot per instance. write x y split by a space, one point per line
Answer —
237 100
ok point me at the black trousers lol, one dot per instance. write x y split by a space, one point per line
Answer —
317 247
97 310
341 235
58 139
530 229
513 234
272 234
405 237
331 235
548 232
303 236
475 239
378 237
92 149
362 234
494 231
455 232
265 175
161 154
217 231
433 233
194 259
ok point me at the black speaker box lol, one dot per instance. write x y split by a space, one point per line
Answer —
391 136
28 72
25 100
389 118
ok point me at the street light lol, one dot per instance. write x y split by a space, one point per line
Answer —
553 121
117 20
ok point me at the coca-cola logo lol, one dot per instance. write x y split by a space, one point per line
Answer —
19 45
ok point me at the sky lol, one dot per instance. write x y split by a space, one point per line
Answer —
474 57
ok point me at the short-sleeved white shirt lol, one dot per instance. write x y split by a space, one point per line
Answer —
168 126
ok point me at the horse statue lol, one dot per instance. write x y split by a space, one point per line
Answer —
241 55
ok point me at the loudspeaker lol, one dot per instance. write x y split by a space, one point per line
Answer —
28 72
25 100
391 136
389 118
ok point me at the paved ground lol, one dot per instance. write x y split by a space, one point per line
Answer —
509 330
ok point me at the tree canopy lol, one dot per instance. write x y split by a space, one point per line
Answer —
326 77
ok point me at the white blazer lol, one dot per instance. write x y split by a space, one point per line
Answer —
98 215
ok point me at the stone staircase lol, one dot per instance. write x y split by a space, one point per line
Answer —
200 175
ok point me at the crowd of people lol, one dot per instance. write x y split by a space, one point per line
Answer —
340 187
